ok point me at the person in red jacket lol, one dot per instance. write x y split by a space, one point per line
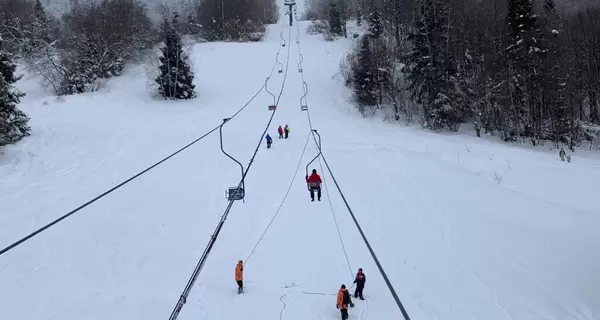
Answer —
314 184
280 131
360 284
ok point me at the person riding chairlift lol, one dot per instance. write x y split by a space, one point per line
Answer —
314 184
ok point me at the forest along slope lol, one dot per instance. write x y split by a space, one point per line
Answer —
465 228
448 232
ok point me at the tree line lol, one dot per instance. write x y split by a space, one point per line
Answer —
96 39
524 70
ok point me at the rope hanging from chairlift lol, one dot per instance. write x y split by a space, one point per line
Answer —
282 201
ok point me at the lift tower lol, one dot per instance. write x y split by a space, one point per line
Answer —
291 4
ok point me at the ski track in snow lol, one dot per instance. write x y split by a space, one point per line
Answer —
455 244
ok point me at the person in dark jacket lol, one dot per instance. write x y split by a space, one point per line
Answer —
360 284
269 141
314 184
287 131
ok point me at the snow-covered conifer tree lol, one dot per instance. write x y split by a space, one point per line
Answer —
176 77
363 76
335 18
13 122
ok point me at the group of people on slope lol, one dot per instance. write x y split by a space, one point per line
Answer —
283 133
343 300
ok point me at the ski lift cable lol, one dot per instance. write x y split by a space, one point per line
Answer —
213 238
335 219
305 108
123 183
356 223
282 201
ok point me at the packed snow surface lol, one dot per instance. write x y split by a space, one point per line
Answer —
466 228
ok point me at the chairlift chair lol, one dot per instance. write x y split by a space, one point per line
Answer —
272 107
279 63
238 192
303 103
300 64
313 186
234 193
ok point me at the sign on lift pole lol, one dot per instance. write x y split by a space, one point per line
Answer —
290 4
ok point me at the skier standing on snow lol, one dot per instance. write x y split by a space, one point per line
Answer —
314 183
343 301
239 276
287 131
269 141
280 131
360 284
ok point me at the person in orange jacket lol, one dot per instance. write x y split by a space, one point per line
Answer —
239 276
343 301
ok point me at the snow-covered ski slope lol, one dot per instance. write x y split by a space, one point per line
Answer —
455 243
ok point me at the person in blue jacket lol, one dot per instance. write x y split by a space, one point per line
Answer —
269 141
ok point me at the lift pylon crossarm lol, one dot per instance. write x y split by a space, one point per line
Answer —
234 193
318 147
291 4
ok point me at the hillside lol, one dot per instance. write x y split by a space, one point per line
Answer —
465 228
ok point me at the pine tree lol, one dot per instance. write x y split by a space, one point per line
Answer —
431 67
176 77
13 122
523 58
41 27
358 16
375 27
549 6
554 77
37 33
335 18
363 77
